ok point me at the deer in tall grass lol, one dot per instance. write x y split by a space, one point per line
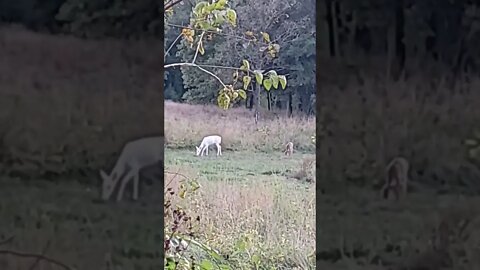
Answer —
135 156
396 178
288 149
206 142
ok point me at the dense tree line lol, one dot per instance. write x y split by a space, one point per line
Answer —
88 19
291 25
441 30
404 34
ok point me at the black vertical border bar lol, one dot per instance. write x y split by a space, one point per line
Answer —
318 100
162 107
319 20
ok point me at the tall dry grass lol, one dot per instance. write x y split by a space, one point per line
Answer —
264 219
185 126
68 104
274 218
423 119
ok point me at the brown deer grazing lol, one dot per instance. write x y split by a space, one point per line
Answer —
288 149
396 178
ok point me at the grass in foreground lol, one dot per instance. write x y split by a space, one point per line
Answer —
358 230
249 207
65 222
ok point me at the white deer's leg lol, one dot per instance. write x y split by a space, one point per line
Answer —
135 185
124 180
207 149
203 151
219 149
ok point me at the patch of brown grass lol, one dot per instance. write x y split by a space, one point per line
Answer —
79 100
185 126
424 120
247 205
306 171
277 220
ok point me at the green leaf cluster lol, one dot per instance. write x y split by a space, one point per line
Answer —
210 16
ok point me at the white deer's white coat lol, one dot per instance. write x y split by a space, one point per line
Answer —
135 155
206 142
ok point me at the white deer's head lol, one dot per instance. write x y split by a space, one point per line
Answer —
107 185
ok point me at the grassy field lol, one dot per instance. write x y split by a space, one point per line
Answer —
251 195
358 230
255 205
425 121
66 106
64 221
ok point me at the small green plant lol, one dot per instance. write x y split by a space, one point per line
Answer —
180 232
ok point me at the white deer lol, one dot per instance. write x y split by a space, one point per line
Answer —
135 155
207 141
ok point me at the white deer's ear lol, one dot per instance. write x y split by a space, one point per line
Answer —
197 147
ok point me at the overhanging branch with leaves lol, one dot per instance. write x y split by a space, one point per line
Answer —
208 18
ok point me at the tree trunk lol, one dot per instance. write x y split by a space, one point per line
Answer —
431 41
250 98
331 22
351 37
290 107
269 101
304 105
335 11
399 35
256 102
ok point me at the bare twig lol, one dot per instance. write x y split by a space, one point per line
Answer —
198 47
179 174
206 71
212 32
37 256
8 240
208 66
175 176
42 254
235 68
171 3
171 46
199 67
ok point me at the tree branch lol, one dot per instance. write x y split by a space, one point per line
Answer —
215 66
170 4
175 174
6 241
198 47
206 71
171 46
39 258
36 256
197 66
212 32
